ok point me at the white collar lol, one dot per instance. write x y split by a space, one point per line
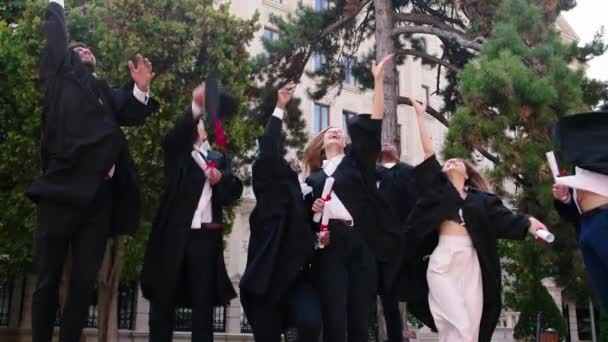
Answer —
203 148
330 165
389 165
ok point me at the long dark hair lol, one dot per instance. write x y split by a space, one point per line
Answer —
476 179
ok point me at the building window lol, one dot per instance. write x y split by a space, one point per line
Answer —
321 117
320 61
270 34
345 116
347 66
321 5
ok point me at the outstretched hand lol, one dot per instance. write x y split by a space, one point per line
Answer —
378 69
142 74
285 94
419 108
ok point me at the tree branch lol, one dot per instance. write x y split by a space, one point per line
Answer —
352 13
423 19
462 41
428 57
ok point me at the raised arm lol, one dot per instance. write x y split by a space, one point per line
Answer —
378 72
270 141
181 136
425 139
365 130
56 35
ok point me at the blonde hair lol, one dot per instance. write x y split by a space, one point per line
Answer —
314 153
476 179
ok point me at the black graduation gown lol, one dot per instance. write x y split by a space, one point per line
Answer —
82 139
397 187
355 185
487 220
281 241
183 185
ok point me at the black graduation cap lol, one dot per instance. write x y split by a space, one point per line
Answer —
220 104
582 139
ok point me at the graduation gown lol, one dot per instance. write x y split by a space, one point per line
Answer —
82 139
487 220
355 185
398 188
281 241
183 185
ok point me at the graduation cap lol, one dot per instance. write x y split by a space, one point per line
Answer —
582 140
220 104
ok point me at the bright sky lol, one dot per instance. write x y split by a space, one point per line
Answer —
586 19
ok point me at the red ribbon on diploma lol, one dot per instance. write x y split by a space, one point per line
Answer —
325 227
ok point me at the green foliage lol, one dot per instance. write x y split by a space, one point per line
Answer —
178 37
551 317
603 325
20 112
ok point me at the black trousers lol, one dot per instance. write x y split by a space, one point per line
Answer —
200 268
86 238
392 317
347 284
300 308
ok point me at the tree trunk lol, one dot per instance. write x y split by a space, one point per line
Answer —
384 46
107 295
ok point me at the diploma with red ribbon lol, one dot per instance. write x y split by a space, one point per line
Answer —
325 196
205 166
325 216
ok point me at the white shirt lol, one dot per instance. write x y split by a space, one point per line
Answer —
204 210
334 207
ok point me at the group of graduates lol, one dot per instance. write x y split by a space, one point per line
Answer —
361 224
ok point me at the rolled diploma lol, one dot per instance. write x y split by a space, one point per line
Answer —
329 183
200 161
545 235
553 164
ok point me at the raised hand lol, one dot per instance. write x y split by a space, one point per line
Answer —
378 69
419 108
285 94
142 74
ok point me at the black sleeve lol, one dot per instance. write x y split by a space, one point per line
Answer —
506 223
365 141
270 141
56 52
426 173
230 187
127 109
179 138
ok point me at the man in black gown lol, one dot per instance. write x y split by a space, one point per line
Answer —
395 183
88 189
276 289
